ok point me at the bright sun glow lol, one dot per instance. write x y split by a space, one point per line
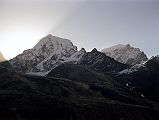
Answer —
24 24
18 39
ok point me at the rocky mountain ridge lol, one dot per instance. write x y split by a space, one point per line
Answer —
126 54
51 51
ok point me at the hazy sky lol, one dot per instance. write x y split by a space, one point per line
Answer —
87 23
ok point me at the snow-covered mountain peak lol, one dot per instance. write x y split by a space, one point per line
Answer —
126 54
50 45
119 46
54 43
48 50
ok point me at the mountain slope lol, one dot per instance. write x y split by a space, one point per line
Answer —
45 98
126 54
144 79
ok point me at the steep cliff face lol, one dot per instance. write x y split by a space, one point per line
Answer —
126 54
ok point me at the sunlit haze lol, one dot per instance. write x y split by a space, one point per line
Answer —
87 23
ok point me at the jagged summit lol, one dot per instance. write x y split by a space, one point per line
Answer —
83 50
94 50
126 54
100 62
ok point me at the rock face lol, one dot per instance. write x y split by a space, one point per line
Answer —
100 62
126 54
45 55
1 57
